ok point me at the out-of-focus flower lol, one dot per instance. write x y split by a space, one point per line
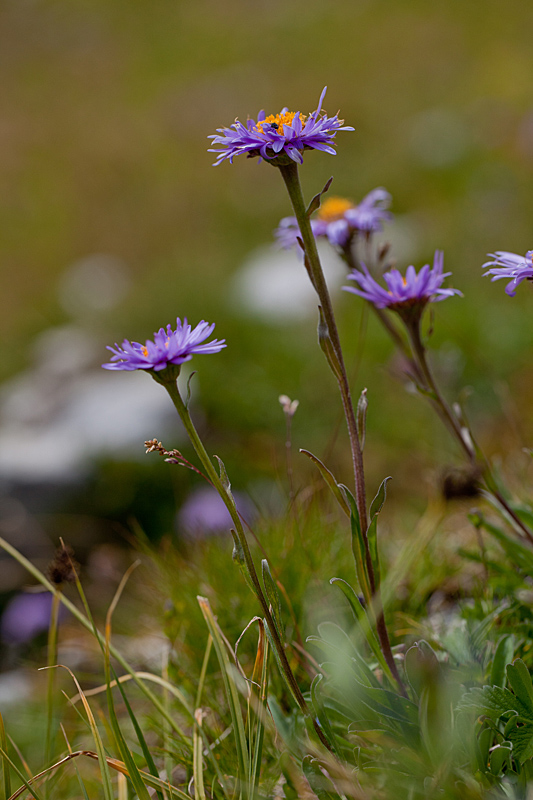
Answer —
26 616
413 290
204 513
338 219
289 406
288 133
168 347
510 265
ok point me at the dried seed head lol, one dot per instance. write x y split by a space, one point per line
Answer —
64 568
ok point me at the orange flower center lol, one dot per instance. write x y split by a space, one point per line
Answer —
277 121
334 208
144 351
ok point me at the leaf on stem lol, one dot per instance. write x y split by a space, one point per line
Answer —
326 345
330 481
362 406
272 593
314 205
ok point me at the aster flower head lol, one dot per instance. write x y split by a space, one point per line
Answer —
278 138
404 294
167 347
338 219
510 265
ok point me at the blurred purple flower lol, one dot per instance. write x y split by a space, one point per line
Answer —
204 513
510 265
168 347
286 133
339 219
25 616
416 289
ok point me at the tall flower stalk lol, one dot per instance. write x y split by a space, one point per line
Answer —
162 358
168 380
332 348
281 140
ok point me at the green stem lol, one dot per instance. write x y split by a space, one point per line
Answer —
172 389
468 445
291 177
51 661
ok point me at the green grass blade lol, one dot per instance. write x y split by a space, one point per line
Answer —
261 664
230 688
197 758
142 741
133 771
34 793
6 775
24 562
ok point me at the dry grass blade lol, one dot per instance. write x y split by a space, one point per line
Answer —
114 764
106 778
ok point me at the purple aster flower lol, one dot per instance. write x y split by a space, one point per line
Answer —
204 513
287 133
402 293
168 347
510 265
339 219
26 616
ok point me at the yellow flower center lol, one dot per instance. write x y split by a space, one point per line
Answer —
277 121
144 351
334 208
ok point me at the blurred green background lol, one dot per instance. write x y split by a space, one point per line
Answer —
105 111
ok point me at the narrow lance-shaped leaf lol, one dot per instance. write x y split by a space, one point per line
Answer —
362 406
239 559
375 508
358 547
379 500
272 593
520 681
326 345
314 205
330 481
321 714
503 655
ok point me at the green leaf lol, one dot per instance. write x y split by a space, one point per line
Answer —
500 755
372 536
379 500
362 406
358 547
326 345
503 655
520 681
363 621
224 476
272 593
239 559
321 714
318 781
519 731
422 666
491 701
330 480
314 205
